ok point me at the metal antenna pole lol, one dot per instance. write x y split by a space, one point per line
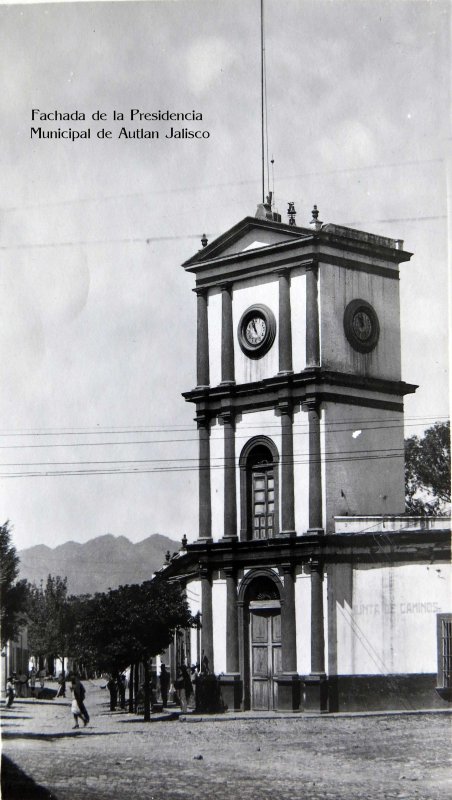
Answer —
262 100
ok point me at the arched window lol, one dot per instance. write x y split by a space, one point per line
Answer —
259 489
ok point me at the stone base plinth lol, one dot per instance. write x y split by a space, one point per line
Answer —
289 693
315 692
231 690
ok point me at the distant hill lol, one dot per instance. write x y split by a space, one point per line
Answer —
102 563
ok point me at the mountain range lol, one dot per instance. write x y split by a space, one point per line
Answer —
99 564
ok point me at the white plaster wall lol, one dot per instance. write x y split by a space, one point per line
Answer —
323 450
364 462
194 601
325 618
337 287
303 623
245 294
391 625
301 471
219 625
256 423
217 479
214 327
298 313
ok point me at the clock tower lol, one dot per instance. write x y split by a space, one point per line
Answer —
299 409
299 397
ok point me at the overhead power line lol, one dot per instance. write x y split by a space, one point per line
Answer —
80 242
203 187
245 435
194 468
98 430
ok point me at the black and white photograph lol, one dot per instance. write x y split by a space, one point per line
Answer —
225 489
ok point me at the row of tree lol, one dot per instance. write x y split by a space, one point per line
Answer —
106 632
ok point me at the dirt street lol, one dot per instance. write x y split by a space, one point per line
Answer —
299 757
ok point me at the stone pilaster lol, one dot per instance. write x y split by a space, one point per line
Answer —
312 407
288 682
287 473
316 683
205 511
207 618
227 336
230 491
231 683
202 347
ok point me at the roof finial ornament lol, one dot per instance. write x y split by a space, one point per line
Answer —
204 240
291 213
316 223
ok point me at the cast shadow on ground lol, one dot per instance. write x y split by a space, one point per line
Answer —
17 785
169 718
13 718
50 737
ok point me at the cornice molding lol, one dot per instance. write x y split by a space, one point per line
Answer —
313 385
372 549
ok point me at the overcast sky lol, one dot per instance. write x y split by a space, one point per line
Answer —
98 323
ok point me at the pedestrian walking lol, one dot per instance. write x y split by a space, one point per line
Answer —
164 684
79 695
122 690
33 682
42 677
10 693
112 687
183 687
76 713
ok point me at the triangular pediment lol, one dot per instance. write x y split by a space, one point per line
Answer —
249 234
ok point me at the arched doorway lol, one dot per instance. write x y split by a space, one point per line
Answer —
259 489
260 599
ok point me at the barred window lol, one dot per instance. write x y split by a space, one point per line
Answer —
444 632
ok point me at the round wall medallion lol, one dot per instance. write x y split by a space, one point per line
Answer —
361 326
256 331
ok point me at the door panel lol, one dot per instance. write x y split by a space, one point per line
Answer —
265 635
259 628
276 627
260 695
260 662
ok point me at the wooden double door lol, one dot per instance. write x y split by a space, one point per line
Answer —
265 655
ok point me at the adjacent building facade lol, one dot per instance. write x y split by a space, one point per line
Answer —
312 591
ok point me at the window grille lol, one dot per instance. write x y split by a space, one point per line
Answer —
444 630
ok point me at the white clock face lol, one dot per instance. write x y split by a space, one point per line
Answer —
255 330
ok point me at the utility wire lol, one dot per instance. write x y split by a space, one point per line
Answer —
399 450
149 239
178 469
149 428
194 439
200 187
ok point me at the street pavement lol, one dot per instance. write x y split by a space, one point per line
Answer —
252 757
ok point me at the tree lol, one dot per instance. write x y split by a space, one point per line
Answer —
427 471
13 593
51 620
131 624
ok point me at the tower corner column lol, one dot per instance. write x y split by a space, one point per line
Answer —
205 510
288 681
316 685
230 681
202 340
